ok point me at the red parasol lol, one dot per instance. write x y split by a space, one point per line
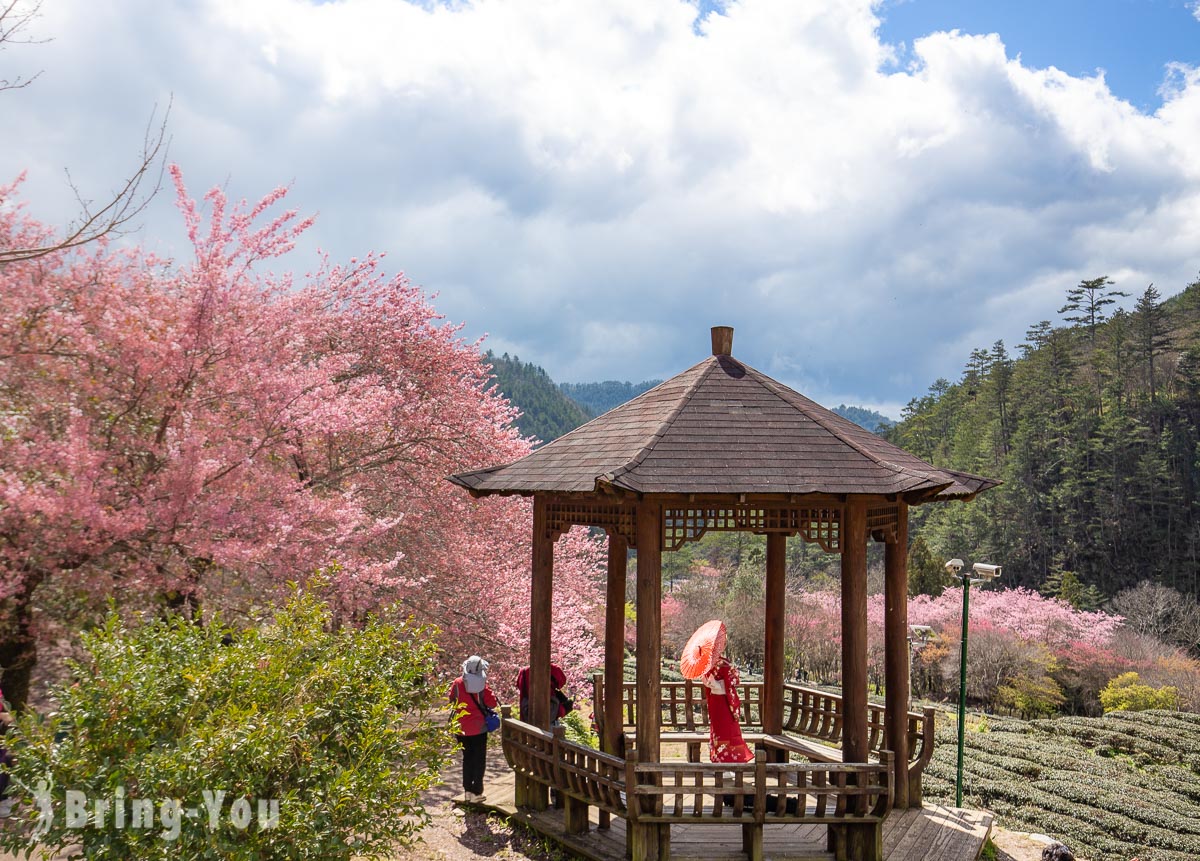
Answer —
702 649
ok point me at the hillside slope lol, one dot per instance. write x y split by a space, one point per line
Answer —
1093 427
546 413
599 398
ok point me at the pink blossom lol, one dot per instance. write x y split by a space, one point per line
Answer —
217 428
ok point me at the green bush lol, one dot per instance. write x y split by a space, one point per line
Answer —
320 739
1032 697
577 729
1126 693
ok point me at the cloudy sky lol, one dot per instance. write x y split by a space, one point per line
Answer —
865 190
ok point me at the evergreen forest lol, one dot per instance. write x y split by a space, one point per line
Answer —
599 398
546 412
1092 426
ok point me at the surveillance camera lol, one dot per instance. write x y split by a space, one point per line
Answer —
985 570
954 566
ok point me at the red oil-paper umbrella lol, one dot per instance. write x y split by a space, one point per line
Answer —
702 649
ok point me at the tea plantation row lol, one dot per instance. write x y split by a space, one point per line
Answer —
1123 786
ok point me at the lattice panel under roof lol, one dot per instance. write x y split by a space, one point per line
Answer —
561 516
818 525
883 522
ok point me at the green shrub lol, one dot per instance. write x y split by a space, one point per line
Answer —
1125 693
1032 697
342 728
576 729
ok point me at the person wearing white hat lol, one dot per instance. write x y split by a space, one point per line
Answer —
473 700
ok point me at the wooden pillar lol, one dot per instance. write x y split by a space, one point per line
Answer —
542 595
649 842
614 644
772 701
614 651
854 630
897 655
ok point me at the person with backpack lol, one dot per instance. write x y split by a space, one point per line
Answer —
560 704
473 703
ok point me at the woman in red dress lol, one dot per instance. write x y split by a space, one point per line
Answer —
725 742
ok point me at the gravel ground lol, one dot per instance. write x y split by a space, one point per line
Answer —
466 835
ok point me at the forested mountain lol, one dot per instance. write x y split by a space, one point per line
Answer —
863 417
546 413
1093 429
599 398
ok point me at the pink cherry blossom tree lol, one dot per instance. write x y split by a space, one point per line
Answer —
169 429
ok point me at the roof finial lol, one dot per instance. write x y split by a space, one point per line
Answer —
722 340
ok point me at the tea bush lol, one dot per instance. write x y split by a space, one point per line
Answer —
1122 786
205 728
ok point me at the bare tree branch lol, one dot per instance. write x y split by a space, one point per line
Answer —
123 206
12 22
127 202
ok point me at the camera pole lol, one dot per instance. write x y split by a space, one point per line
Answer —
962 689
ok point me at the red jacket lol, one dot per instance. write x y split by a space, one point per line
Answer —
470 720
558 678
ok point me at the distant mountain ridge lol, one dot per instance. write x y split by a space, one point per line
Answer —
599 398
546 413
863 417
549 410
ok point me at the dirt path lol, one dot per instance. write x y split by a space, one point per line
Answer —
458 835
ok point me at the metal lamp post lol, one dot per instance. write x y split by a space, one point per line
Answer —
983 572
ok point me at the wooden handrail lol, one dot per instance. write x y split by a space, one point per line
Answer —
807 711
548 757
751 794
759 792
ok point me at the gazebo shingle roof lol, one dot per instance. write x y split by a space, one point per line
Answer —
723 427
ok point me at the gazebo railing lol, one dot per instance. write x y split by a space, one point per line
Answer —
807 712
843 797
759 791
592 777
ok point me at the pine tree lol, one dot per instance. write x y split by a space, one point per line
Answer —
1153 337
1115 356
1001 380
1067 586
1087 302
925 573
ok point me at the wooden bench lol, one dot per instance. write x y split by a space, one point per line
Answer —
807 748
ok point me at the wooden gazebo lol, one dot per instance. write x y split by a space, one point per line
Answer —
721 446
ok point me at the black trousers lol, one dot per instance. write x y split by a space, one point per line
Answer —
474 761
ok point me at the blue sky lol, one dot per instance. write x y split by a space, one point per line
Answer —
1131 40
865 190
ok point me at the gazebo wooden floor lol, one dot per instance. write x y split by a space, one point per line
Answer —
944 833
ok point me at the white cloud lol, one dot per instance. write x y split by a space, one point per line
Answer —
597 183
